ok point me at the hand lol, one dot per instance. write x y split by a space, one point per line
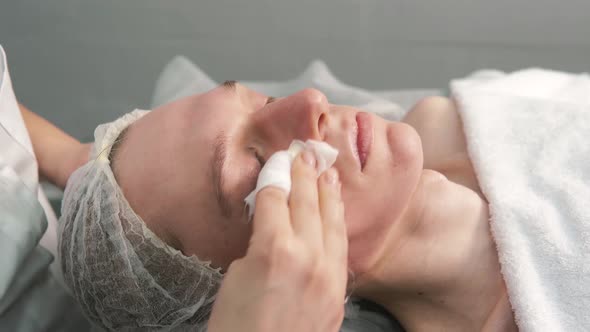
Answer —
294 275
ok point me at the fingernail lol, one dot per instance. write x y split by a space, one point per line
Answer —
331 176
308 158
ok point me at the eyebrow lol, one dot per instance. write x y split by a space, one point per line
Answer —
217 165
231 84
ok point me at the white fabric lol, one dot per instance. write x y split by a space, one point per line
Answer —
527 135
277 169
182 78
31 297
16 151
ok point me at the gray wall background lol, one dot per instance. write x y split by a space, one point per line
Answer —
81 63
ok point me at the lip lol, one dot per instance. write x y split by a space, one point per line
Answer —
364 137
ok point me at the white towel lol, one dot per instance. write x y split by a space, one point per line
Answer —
528 136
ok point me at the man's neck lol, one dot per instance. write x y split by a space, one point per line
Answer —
445 274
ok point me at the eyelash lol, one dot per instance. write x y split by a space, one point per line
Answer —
258 157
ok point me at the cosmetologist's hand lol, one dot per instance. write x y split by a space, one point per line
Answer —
294 275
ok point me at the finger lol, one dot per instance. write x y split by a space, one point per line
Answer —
332 215
334 229
271 215
303 200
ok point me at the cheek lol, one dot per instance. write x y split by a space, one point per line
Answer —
220 241
373 209
229 244
367 224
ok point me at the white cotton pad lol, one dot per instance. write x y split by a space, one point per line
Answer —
277 169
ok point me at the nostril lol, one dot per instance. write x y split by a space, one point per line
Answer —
322 125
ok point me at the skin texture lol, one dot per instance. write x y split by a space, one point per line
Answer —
417 223
168 152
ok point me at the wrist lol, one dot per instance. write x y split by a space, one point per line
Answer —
73 159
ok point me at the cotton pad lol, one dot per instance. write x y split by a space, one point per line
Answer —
277 169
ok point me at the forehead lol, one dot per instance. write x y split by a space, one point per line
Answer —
169 150
188 128
204 109
195 121
167 160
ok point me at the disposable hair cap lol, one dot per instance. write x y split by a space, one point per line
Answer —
125 277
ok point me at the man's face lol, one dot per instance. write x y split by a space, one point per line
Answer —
186 167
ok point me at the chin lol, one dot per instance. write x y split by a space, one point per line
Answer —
405 145
374 210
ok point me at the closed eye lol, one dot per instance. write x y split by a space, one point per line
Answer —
254 151
261 160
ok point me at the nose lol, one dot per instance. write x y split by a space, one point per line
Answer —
302 116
